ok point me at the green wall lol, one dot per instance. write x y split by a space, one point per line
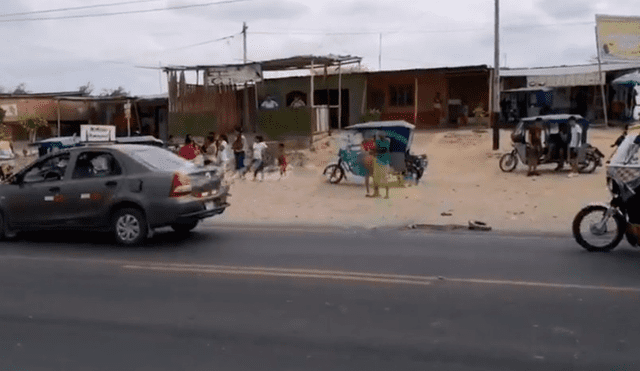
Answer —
196 124
288 121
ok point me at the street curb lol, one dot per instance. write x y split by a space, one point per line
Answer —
399 227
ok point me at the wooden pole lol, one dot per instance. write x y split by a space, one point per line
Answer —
339 95
311 92
363 106
495 102
58 117
135 106
415 104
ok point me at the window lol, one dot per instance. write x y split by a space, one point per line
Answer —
96 164
158 158
51 169
401 95
376 99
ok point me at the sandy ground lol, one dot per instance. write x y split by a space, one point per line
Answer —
463 181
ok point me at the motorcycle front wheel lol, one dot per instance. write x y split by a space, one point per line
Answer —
595 237
508 162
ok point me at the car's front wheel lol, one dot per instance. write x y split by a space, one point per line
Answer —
184 228
129 226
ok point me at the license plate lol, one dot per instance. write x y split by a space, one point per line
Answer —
208 205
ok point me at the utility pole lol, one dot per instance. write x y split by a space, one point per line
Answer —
604 98
495 100
245 92
380 54
244 41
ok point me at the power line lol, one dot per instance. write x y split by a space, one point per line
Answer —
76 8
125 12
325 33
204 42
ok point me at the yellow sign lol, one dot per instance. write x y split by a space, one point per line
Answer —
618 37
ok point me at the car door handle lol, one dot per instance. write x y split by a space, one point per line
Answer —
111 183
54 189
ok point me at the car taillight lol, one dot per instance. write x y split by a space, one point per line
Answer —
181 185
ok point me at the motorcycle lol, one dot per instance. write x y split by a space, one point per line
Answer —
601 226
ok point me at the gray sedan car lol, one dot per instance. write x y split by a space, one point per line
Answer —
127 189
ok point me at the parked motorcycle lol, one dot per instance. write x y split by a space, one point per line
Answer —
600 226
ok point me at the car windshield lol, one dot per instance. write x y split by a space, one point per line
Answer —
159 158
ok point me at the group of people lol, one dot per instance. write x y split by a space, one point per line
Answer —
217 150
561 140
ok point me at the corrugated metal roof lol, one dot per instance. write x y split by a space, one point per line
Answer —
292 63
567 70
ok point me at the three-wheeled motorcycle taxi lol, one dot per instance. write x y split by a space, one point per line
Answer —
556 137
399 157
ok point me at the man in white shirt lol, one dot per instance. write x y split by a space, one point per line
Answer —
574 145
259 148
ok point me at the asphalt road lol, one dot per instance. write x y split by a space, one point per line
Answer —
248 299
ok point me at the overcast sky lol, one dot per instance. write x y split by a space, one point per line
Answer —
51 55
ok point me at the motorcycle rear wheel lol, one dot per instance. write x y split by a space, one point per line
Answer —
334 173
610 239
589 166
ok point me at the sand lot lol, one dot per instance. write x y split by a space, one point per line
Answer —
463 182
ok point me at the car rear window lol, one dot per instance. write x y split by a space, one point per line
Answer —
159 158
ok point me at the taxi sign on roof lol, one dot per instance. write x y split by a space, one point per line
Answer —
97 133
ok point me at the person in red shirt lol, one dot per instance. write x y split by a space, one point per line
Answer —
368 149
189 150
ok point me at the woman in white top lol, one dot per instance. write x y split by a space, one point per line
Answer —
223 152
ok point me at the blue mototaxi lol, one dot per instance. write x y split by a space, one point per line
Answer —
393 151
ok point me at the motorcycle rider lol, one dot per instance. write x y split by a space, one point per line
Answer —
626 154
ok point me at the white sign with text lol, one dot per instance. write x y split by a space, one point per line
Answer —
97 133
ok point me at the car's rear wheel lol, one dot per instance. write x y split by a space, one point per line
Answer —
184 228
129 226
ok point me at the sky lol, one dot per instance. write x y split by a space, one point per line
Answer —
60 45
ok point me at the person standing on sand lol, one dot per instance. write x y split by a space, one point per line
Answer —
209 149
282 160
224 157
437 106
238 146
368 156
534 151
379 170
574 145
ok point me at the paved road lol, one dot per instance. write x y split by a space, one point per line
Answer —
247 299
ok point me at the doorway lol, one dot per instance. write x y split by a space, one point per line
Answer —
330 97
